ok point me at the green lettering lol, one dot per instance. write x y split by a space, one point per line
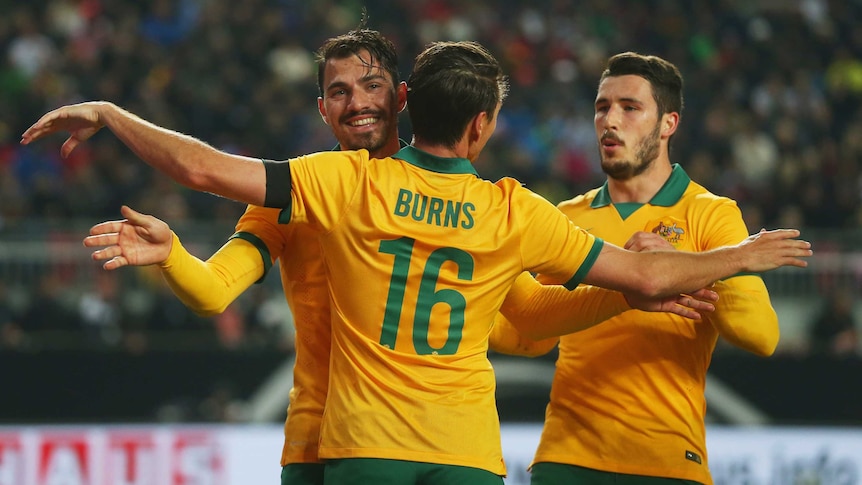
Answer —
468 208
453 212
402 206
419 214
434 211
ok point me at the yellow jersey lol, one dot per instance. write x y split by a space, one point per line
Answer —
628 394
419 254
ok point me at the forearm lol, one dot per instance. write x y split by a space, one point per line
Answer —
657 274
209 287
185 159
541 311
674 272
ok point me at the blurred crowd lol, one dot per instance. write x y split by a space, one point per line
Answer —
772 118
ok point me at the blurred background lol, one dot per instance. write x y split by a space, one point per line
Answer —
772 118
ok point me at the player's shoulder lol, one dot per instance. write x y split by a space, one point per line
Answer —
580 200
511 188
264 220
335 157
699 195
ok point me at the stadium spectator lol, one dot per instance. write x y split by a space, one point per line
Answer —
834 331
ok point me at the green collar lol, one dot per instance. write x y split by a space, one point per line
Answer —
414 156
668 195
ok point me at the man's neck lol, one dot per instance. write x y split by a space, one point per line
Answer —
642 187
460 150
391 148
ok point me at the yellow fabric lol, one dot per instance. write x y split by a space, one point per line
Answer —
209 287
628 395
532 310
419 262
303 277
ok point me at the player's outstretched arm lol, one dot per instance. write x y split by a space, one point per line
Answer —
743 314
539 311
206 287
137 240
663 273
185 159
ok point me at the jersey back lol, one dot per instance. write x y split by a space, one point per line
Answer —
420 253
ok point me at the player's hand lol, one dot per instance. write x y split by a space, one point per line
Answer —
81 121
689 306
137 240
647 241
768 250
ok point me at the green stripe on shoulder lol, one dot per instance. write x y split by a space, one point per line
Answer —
261 248
575 280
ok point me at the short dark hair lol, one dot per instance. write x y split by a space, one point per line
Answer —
663 76
381 49
452 82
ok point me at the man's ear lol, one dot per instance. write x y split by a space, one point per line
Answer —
480 123
322 110
670 122
401 92
477 125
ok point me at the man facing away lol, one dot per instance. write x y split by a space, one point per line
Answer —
627 401
434 250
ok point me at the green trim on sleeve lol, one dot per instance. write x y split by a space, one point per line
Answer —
262 249
284 214
575 280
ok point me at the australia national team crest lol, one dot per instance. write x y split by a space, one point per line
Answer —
672 230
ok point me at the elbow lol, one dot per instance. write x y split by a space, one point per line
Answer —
767 341
765 347
761 342
538 346
209 312
533 353
527 347
193 178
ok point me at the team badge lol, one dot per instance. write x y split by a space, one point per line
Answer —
673 231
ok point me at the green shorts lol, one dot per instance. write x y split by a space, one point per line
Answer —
373 471
302 474
558 474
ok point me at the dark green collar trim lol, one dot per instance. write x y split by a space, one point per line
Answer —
673 189
434 163
625 209
401 143
667 196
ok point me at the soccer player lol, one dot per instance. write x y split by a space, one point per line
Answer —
627 401
360 98
421 254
